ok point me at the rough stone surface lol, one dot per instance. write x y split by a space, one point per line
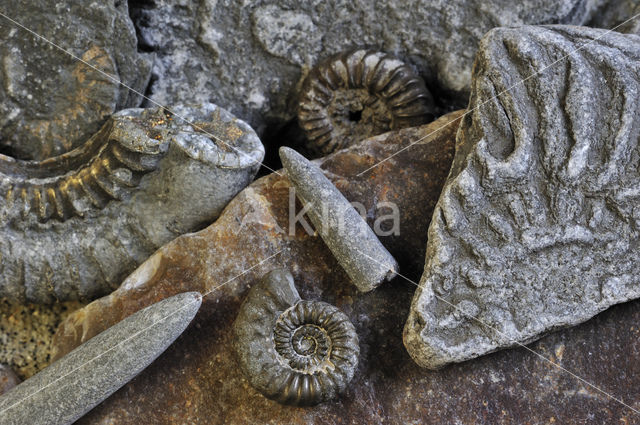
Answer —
8 379
250 56
618 14
343 229
72 227
73 385
50 102
26 331
537 226
199 381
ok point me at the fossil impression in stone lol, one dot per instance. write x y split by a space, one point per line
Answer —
538 223
295 352
359 94
52 102
73 226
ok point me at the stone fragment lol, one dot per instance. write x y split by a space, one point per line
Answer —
73 226
249 57
621 15
8 379
346 233
51 102
536 227
70 387
198 379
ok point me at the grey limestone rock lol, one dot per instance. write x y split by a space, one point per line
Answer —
73 226
50 102
250 56
537 226
79 381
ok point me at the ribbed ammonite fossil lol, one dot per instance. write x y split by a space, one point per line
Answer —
358 94
295 352
73 226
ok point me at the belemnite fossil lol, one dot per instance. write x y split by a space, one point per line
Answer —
73 226
358 94
293 351
343 230
61 393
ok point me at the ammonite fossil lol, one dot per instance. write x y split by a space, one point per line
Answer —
359 94
295 352
73 226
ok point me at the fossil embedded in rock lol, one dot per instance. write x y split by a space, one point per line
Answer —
358 94
293 351
348 236
75 225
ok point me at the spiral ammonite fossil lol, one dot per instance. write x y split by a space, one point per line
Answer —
293 351
358 94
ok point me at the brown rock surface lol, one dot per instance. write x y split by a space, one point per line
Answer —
197 381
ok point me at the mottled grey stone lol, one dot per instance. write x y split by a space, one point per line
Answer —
538 223
79 381
72 227
50 102
346 233
618 14
250 56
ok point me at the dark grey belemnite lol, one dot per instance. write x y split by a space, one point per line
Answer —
75 384
293 351
346 233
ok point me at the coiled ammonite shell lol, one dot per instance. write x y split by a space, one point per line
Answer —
359 94
295 352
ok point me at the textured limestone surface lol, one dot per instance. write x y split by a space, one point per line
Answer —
26 331
51 102
346 233
200 381
538 223
8 379
250 56
72 227
73 385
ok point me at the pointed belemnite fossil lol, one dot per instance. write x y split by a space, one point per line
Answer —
296 352
346 233
73 226
79 381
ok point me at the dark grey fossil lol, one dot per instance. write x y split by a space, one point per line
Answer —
358 94
75 225
538 223
295 352
50 101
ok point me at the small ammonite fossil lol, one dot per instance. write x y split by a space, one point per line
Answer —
296 352
358 94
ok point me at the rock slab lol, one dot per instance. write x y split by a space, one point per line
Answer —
537 225
249 57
